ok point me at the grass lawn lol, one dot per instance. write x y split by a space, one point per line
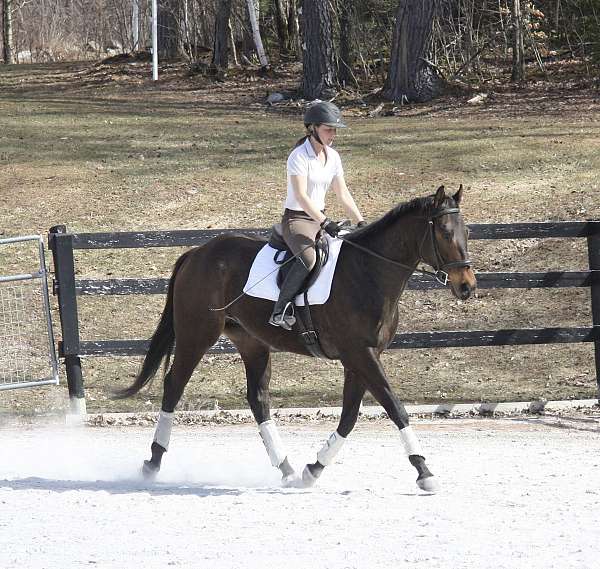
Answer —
101 148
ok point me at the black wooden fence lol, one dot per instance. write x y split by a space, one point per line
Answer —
62 245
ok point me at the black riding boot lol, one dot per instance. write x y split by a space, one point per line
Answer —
283 312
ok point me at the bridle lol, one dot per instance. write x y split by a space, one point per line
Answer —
439 269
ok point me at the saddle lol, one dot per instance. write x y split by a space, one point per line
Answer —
304 322
284 254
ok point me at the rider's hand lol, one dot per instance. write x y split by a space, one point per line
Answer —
361 224
330 227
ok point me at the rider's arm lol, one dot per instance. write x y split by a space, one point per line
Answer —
299 184
343 194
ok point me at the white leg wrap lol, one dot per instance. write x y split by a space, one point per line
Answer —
331 447
162 435
410 442
272 441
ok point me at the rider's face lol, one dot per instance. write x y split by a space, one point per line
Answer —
326 134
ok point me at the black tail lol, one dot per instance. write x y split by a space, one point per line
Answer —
161 343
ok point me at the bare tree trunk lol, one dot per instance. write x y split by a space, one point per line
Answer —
7 31
294 29
135 25
319 78
220 47
253 11
232 43
518 59
346 61
168 29
410 76
469 49
281 25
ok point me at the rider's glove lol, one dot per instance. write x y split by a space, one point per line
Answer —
330 227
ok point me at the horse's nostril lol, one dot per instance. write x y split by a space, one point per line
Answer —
465 291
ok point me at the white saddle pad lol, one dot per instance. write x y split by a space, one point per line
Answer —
261 284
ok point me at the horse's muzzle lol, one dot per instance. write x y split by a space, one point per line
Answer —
465 291
463 283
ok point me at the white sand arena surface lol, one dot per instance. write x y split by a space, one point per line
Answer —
516 493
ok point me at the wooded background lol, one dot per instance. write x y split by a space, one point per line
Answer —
412 49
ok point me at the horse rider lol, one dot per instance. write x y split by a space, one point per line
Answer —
312 168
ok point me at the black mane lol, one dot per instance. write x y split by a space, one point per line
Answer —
416 205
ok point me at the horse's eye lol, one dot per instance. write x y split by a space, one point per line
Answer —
447 233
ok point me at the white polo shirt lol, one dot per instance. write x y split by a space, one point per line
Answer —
304 162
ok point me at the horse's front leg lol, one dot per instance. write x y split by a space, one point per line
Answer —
366 362
354 390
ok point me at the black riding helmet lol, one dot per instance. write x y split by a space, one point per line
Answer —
325 113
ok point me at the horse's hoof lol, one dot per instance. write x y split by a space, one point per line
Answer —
292 481
149 470
428 484
308 479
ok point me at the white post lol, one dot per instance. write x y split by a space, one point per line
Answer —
154 40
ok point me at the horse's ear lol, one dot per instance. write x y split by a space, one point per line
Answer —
457 197
439 198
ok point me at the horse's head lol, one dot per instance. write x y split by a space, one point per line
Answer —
446 247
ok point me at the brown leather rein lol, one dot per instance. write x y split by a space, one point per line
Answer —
438 273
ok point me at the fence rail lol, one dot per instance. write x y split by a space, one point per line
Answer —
459 339
554 279
192 237
68 289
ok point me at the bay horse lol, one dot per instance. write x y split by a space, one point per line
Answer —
355 325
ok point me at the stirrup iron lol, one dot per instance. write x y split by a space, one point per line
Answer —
283 319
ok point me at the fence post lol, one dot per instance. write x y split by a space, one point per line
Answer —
61 245
593 242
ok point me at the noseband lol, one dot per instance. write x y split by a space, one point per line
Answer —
439 269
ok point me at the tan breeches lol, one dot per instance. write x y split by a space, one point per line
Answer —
299 232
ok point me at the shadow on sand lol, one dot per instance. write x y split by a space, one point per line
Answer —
133 486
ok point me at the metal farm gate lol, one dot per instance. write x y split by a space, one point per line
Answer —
27 352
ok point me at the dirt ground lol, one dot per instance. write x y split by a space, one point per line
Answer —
509 491
102 148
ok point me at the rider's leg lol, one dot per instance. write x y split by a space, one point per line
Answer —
283 311
299 232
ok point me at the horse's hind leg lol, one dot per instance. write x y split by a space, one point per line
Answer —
192 344
354 390
257 361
